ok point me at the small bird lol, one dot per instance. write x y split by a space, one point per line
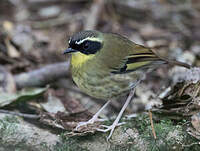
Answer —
107 66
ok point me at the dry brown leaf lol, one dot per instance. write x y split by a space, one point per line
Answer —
12 51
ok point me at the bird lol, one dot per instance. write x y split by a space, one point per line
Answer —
107 66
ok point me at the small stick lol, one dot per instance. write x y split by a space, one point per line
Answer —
42 76
93 15
151 120
30 116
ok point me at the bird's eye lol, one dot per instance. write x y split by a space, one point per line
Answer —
86 45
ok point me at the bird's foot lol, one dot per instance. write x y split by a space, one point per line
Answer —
91 121
110 128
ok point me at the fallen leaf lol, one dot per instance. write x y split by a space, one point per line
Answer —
53 104
8 26
24 95
7 83
12 51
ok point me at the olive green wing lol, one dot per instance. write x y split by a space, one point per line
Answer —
140 57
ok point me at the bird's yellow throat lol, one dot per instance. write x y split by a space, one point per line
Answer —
78 59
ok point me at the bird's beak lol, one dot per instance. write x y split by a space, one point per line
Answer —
69 50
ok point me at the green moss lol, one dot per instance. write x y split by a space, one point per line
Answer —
8 126
69 144
44 146
140 123
11 119
120 148
170 135
191 144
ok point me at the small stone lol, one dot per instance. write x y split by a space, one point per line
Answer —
23 37
120 137
196 49
196 121
180 74
49 11
157 43
189 57
22 15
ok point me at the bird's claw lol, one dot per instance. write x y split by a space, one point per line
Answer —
80 124
91 121
110 128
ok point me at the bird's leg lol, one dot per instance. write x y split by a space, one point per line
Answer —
94 118
115 123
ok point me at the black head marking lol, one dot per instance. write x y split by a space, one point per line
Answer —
82 35
80 43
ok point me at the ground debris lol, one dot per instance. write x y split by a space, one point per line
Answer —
33 36
183 98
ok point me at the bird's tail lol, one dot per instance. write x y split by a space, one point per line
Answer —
172 62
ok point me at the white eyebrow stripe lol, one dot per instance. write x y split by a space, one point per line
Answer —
69 40
80 42
88 38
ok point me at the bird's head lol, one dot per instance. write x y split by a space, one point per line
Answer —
85 42
84 46
90 44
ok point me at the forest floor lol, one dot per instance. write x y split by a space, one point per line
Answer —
40 105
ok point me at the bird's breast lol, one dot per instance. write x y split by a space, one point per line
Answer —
79 59
104 85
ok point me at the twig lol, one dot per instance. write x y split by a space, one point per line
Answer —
55 1
43 76
189 145
30 116
61 20
93 15
151 120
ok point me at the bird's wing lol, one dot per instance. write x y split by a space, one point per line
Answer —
141 57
